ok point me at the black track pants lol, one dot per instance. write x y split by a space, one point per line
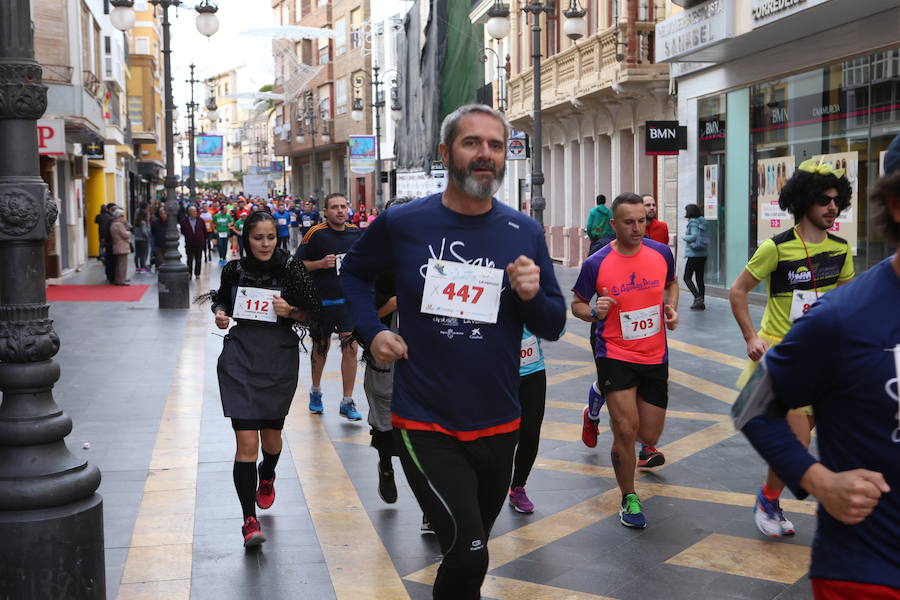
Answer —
532 396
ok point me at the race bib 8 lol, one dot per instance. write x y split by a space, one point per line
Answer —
255 304
639 324
461 290
801 300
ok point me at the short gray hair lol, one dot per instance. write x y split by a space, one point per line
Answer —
119 213
450 126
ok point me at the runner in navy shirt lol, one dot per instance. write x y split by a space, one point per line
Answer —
843 358
455 404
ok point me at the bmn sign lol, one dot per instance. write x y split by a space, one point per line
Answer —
664 138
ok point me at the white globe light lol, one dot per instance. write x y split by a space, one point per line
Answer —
396 115
176 137
212 115
207 23
301 139
326 138
575 28
122 17
357 115
498 27
175 114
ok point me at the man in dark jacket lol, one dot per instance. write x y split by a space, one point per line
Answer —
194 231
103 220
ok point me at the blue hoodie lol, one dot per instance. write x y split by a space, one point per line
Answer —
696 230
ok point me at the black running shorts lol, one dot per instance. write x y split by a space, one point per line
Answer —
651 381
336 318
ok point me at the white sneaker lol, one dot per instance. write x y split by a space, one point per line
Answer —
787 528
767 516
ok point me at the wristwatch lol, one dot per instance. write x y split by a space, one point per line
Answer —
594 314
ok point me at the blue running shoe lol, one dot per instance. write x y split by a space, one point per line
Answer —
630 514
348 410
595 402
315 403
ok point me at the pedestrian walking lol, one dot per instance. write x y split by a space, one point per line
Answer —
633 279
322 252
696 250
271 297
158 237
469 273
532 397
141 231
842 357
194 231
799 266
120 245
598 226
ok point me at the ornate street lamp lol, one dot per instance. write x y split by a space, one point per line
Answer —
173 275
502 75
377 79
51 518
575 28
310 116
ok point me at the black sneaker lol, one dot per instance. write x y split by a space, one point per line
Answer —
387 489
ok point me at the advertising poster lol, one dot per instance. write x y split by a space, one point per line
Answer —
711 192
771 175
845 226
256 185
362 154
209 152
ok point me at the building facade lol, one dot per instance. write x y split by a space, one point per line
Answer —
597 94
312 127
762 87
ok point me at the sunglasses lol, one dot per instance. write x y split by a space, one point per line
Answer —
826 200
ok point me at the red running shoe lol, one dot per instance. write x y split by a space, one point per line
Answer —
589 430
253 535
265 493
650 457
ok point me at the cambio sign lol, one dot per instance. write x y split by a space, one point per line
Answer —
695 28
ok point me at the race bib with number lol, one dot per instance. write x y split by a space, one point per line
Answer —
338 261
461 290
801 300
282 221
639 324
223 234
363 224
530 353
255 304
307 223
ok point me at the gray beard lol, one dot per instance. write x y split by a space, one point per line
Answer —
469 185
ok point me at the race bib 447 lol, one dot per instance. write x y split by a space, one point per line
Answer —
462 290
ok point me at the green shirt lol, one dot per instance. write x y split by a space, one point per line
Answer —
222 222
598 222
782 261
239 225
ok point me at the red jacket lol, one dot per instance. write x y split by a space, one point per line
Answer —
658 230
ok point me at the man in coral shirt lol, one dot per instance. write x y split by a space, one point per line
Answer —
633 279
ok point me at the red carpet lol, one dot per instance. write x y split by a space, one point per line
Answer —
95 293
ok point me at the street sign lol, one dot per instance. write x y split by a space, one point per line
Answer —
93 150
51 136
515 149
664 138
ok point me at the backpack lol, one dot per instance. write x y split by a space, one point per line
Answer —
701 242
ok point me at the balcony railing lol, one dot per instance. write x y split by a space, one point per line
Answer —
91 83
57 73
587 68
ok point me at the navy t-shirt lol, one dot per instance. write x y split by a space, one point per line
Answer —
319 242
461 375
843 358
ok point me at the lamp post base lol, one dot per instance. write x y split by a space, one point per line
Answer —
174 284
54 552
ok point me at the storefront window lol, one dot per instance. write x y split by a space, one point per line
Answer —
711 172
845 113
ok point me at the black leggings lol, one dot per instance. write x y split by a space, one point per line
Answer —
694 268
461 487
532 393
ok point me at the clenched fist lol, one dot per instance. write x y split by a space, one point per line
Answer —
524 277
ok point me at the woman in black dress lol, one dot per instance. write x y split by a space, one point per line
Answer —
272 299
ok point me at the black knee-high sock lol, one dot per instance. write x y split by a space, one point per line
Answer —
267 466
245 484
383 441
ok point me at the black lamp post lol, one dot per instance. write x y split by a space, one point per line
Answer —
574 28
310 116
502 75
173 275
377 78
192 131
51 518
